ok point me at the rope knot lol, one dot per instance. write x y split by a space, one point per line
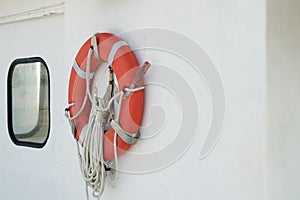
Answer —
102 116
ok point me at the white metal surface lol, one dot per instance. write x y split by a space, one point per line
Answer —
234 38
28 173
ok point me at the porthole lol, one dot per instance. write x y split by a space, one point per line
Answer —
28 88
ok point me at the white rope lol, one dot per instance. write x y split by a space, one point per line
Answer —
134 89
87 78
87 90
92 163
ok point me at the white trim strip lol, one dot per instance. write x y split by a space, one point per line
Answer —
47 11
80 72
114 50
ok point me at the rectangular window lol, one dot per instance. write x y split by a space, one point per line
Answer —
28 102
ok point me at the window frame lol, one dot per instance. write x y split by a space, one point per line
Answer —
9 103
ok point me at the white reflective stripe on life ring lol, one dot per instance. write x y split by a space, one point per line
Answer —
80 72
83 133
114 50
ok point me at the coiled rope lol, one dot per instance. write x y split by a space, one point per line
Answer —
92 163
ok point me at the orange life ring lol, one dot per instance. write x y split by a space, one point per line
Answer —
114 51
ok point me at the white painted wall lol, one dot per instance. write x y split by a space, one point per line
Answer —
28 173
234 38
283 97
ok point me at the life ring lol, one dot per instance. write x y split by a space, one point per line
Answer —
116 52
